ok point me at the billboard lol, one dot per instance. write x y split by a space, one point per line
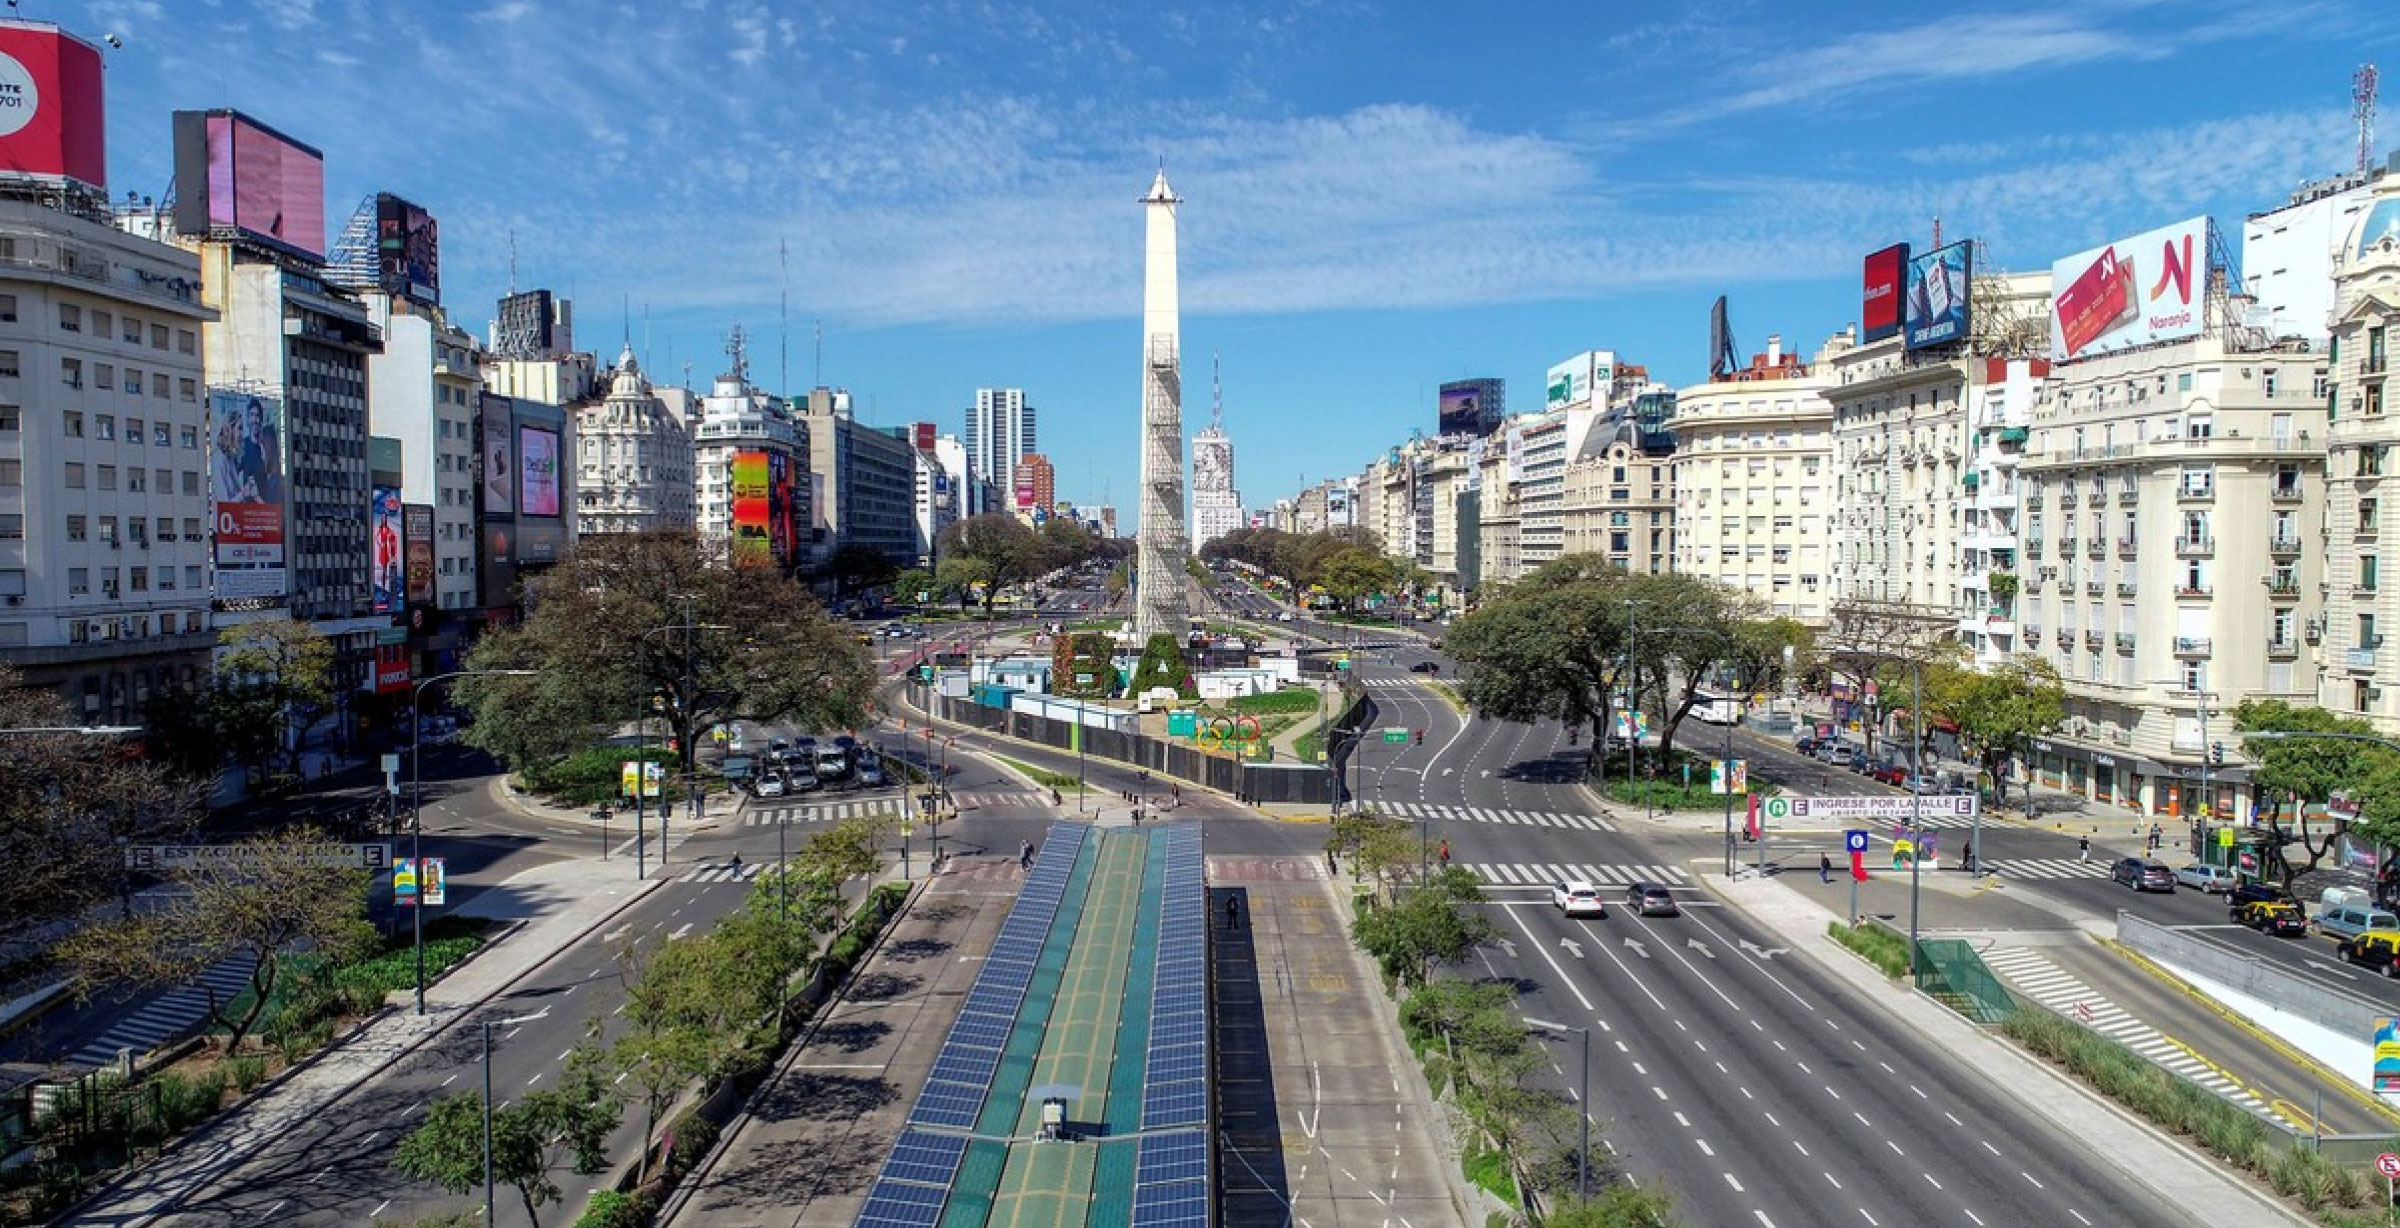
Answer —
537 460
1568 382
753 511
2131 292
417 537
245 474
236 175
1879 305
1938 296
499 464
1461 409
408 249
52 116
783 505
386 553
522 327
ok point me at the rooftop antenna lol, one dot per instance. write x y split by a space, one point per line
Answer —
2362 108
783 313
1216 391
1937 230
625 312
819 326
512 260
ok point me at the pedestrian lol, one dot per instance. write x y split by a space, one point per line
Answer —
1445 852
2083 848
1233 913
2158 837
1824 868
1025 855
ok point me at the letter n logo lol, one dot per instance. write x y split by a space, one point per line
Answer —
2175 267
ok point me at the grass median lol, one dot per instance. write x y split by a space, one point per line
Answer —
1873 943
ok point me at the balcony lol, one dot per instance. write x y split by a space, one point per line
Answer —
2091 639
2124 641
2127 496
2037 500
2283 590
2193 645
2365 528
2127 588
2283 545
2095 497
2196 492
2066 544
2125 547
2359 658
2372 364
2193 590
2035 546
2283 646
2095 588
2285 493
1971 480
2095 546
2015 436
2363 591
2033 634
2195 547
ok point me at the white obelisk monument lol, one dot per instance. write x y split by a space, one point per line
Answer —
1159 603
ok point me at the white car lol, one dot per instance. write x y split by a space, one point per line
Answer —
769 786
1578 899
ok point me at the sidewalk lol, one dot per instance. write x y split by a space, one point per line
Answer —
557 904
2174 1173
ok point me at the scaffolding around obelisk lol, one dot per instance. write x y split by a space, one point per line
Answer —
1160 605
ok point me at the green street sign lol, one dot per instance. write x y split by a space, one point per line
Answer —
1395 735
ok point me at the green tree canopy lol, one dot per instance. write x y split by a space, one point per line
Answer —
280 666
2312 770
1012 552
1433 925
1998 711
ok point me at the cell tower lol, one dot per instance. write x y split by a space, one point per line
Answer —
2362 108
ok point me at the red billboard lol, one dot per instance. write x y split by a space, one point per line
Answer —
234 175
1879 309
53 121
753 532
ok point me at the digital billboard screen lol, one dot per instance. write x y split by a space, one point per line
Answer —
537 460
387 536
417 520
245 474
2131 292
1879 306
1461 410
753 534
1938 296
408 249
52 109
234 174
499 463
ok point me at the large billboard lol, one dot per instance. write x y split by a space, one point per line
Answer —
2131 292
1461 409
387 536
236 175
753 510
417 521
408 249
499 457
245 473
537 460
1938 296
1879 306
783 505
522 327
53 122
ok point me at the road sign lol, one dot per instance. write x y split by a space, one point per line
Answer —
160 857
2388 1164
1395 735
1896 809
1855 840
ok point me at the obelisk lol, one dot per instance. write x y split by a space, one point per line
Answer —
1159 604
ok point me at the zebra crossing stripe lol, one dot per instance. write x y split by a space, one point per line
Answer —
2063 993
1542 874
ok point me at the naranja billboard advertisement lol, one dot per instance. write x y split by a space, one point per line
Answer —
2131 292
53 125
1879 306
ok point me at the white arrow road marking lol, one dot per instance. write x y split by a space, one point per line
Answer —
1701 947
1508 948
1573 947
1638 948
1763 952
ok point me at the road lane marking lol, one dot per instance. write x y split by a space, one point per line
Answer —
1683 1121
1705 1149
2030 1177
1836 1182
1564 979
1987 1146
1660 1092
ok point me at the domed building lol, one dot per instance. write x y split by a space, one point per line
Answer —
633 460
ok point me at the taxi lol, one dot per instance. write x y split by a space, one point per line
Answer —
2377 949
2273 917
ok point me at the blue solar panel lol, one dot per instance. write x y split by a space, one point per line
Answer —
949 1104
894 1205
925 1159
969 1066
1180 1156
1170 1205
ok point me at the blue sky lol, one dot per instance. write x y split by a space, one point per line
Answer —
1377 197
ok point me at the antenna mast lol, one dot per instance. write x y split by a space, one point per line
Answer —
1216 390
2362 108
783 313
512 260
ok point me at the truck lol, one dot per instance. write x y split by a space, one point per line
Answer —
1714 710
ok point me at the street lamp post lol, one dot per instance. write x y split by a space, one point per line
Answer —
1916 806
488 1025
1583 1103
416 802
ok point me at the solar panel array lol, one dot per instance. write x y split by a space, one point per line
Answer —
915 1181
1170 1182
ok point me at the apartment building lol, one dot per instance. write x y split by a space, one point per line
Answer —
633 460
1617 499
1999 415
1754 483
2360 674
2170 495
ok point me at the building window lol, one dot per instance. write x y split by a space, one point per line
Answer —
70 318
74 475
79 582
133 431
107 477
75 528
70 372
104 427
158 336
2367 564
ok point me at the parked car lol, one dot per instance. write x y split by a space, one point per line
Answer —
2377 949
801 780
2255 889
2214 880
1578 899
1426 667
870 774
2277 917
2142 874
1839 754
1650 900
768 786
1805 744
1920 784
1889 773
2351 920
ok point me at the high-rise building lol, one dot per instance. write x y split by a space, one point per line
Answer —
532 355
633 460
755 499
1001 427
1036 488
867 479
1160 604
941 485
2288 253
1216 502
1753 474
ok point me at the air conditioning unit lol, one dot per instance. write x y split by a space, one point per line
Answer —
2374 694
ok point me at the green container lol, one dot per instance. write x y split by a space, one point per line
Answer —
1183 724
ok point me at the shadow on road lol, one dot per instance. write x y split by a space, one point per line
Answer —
1256 1189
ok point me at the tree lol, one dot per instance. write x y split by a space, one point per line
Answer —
446 1149
2312 770
1066 543
915 585
1550 647
1011 551
636 625
1377 848
1879 642
281 666
1998 711
1619 1204
856 568
962 577
69 803
1351 575
278 896
1162 664
1432 925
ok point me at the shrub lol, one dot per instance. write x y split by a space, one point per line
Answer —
1886 950
1283 702
1489 1170
595 774
248 1070
610 1209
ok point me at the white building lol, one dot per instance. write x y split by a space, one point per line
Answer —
422 392
1001 427
2363 447
2288 254
940 491
1216 504
737 418
1754 484
633 460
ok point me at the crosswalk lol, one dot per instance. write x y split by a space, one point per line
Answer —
770 811
2047 867
1545 873
1494 814
167 1017
977 868
1388 684
2034 976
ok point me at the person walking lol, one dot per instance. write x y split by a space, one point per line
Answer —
1824 867
1445 852
1025 855
2083 848
1233 913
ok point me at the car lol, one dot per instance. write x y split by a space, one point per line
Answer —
870 774
1650 900
769 786
1889 773
2143 874
1920 784
1284 617
801 780
2351 920
1426 667
1577 898
2214 880
777 744
1839 754
2377 949
2255 889
1805 744
2273 917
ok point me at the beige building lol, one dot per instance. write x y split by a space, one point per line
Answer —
1618 502
2360 673
1754 482
2170 495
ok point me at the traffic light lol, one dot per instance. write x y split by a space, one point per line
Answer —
1420 737
2216 754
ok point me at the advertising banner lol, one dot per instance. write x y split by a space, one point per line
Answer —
52 118
1895 809
1569 382
523 326
246 479
407 887
537 459
1879 307
651 775
2131 292
783 505
1729 776
417 545
1938 296
240 175
1461 410
753 536
386 538
499 465
408 247
2387 1055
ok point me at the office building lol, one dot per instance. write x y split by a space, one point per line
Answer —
1753 478
1001 426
